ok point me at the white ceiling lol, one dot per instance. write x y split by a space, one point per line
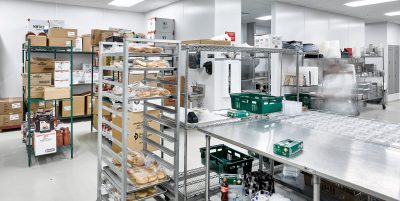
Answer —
372 13
256 8
142 7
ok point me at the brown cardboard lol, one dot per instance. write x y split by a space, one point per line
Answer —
135 129
138 78
222 42
42 105
96 119
10 120
61 42
206 42
88 105
79 106
63 33
106 35
105 103
40 65
96 35
172 89
36 92
51 93
87 43
38 79
11 105
38 40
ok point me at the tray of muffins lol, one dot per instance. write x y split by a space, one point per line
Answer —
142 173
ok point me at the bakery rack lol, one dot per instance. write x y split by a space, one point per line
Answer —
27 51
107 172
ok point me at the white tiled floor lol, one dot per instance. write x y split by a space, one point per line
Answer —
59 178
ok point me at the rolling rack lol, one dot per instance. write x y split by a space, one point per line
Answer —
27 51
107 172
193 183
363 78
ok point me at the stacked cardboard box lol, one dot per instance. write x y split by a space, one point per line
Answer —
172 89
107 115
38 40
100 35
78 104
59 37
135 130
10 112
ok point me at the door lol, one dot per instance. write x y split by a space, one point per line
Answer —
396 69
391 70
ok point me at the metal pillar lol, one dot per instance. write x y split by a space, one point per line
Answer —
317 188
208 139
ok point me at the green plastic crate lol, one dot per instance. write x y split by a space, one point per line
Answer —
224 159
256 103
304 98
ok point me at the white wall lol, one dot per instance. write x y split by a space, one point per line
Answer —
193 19
313 26
293 22
14 15
228 18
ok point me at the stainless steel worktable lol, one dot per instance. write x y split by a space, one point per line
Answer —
365 167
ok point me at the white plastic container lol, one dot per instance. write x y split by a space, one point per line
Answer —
292 108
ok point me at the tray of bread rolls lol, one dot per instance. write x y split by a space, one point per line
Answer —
142 173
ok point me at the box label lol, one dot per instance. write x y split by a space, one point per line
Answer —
14 117
41 104
71 34
16 105
67 108
68 43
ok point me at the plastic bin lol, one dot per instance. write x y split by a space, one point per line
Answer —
224 159
256 103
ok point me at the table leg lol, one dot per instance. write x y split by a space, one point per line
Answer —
271 167
317 188
185 166
208 139
260 162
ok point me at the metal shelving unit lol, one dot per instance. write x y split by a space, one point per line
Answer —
192 184
27 51
106 170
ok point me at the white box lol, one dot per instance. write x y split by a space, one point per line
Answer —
62 75
57 23
61 83
37 26
87 67
62 65
161 25
78 76
161 35
88 77
268 41
45 143
78 44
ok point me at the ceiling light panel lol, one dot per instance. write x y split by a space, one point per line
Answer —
395 13
124 3
366 2
264 18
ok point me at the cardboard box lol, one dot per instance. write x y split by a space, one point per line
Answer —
88 105
105 103
96 119
97 34
10 119
40 65
62 75
36 92
38 79
63 33
78 76
87 43
38 40
62 65
105 35
45 143
37 26
10 105
41 105
51 93
79 107
62 83
78 44
138 77
135 129
61 42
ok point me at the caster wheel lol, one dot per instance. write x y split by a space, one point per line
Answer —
384 106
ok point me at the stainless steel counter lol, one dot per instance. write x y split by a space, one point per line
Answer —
366 167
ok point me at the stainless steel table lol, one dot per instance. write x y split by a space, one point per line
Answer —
365 167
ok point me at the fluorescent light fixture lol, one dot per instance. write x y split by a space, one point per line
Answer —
395 13
265 18
124 3
366 2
